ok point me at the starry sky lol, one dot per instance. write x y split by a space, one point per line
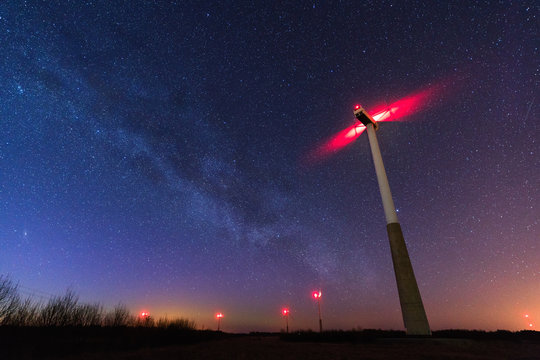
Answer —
154 153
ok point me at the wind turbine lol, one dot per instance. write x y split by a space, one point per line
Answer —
412 308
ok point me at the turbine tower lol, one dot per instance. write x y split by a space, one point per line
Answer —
412 308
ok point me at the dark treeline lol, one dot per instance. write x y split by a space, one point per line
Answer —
64 326
67 311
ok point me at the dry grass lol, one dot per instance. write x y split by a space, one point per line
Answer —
67 311
266 348
65 328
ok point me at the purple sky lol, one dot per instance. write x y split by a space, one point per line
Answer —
151 154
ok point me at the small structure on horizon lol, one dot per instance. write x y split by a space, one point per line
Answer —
317 296
219 316
286 313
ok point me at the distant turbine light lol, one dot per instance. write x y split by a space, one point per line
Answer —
317 295
286 313
219 316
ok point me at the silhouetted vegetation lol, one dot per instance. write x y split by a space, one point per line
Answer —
64 325
68 311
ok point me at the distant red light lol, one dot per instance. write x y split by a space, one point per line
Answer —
357 107
144 314
285 311
219 315
316 294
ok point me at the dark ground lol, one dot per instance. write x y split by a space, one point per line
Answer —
151 343
272 348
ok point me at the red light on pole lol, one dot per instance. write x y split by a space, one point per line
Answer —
317 295
286 313
144 318
219 316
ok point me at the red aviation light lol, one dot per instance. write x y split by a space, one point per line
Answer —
219 315
285 312
317 294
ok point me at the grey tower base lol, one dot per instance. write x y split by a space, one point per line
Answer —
412 308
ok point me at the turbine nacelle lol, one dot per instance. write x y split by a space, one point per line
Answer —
363 116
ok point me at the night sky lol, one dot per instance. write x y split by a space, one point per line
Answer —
161 154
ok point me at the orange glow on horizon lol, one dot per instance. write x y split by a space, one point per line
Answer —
511 316
529 321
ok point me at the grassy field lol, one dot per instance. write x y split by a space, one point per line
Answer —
64 328
155 343
271 347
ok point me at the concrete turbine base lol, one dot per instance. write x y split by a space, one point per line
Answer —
412 308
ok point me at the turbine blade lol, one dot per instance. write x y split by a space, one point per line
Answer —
334 144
